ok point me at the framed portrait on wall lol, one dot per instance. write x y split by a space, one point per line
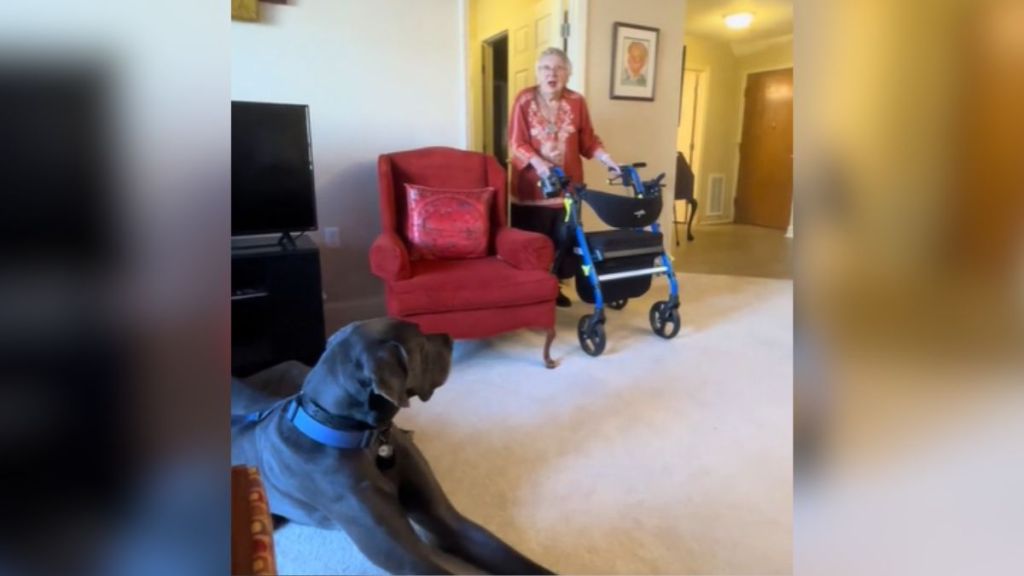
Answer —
634 61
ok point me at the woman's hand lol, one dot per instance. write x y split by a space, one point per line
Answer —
542 166
606 159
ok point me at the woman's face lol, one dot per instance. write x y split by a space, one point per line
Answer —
552 74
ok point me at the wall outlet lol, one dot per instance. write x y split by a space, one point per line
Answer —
331 237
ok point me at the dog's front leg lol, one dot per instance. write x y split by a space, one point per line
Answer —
430 508
376 523
479 546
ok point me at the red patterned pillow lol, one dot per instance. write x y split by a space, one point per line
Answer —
444 224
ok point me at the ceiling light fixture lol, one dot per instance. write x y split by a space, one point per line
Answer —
739 21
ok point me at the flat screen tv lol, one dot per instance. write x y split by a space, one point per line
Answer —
271 169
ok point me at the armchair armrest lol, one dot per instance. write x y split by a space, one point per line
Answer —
525 250
252 530
389 259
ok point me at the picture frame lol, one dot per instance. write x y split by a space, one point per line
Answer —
245 10
634 62
249 10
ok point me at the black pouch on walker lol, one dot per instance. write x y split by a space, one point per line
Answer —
616 251
627 248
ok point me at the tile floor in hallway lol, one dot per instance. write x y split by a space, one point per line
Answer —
735 250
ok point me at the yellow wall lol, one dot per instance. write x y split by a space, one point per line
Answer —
775 57
722 122
486 18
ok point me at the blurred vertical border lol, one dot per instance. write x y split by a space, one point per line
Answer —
114 223
909 392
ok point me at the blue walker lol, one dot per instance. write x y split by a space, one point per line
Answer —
618 264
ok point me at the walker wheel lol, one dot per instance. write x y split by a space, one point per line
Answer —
664 320
592 338
618 304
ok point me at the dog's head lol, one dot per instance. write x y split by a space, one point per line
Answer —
371 369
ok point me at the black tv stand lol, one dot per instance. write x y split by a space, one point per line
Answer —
285 241
276 304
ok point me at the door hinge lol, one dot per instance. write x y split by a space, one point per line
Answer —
565 29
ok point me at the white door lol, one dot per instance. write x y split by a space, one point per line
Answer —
531 32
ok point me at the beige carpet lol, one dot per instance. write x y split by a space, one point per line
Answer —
668 457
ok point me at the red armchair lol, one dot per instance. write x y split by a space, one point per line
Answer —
511 288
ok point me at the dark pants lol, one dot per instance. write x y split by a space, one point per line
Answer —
549 221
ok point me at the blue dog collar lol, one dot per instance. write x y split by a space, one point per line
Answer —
323 434
311 428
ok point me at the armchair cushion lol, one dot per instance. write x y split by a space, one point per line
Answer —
448 223
389 260
525 250
461 285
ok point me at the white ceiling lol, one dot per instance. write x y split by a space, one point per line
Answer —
772 19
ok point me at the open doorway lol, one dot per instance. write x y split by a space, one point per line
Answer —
742 161
691 126
495 91
689 146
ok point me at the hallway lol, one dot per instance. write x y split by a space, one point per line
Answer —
735 250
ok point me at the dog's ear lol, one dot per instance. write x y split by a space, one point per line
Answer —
391 374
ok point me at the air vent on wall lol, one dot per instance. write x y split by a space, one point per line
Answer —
716 194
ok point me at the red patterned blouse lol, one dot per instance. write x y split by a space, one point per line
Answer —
561 142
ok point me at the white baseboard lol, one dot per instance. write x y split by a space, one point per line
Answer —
717 221
339 313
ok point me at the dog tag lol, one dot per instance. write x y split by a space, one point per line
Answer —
385 456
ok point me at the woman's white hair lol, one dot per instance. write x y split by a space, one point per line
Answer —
552 51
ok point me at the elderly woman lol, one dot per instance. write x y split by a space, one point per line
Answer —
550 126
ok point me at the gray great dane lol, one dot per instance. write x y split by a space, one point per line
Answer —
329 456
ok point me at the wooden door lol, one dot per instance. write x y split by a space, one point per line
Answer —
764 188
989 206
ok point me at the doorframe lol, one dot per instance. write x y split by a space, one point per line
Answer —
739 136
487 54
700 119
700 123
463 74
577 52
